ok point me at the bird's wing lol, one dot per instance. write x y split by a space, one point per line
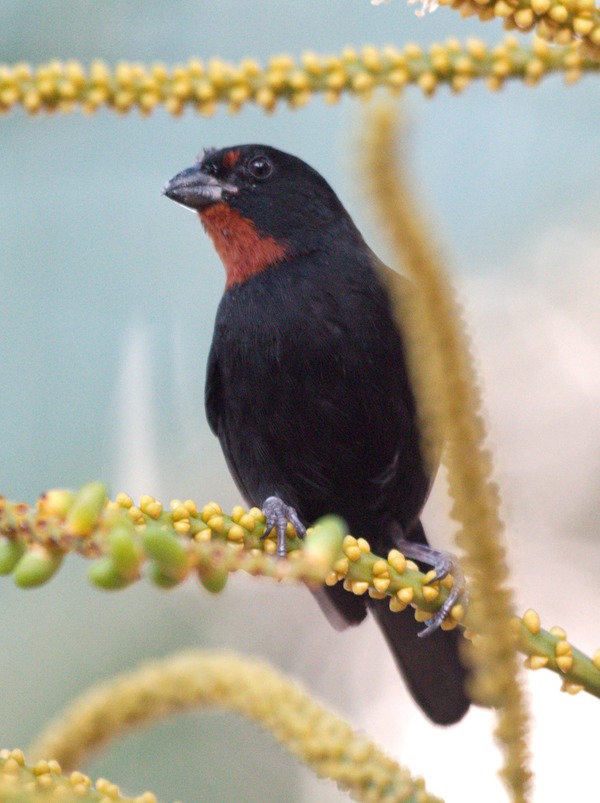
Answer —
399 288
212 391
401 291
213 402
341 608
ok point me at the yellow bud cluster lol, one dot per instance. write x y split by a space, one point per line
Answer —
552 650
126 535
558 21
66 86
183 539
45 779
397 579
34 539
251 688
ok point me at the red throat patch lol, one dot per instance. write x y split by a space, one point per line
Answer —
244 251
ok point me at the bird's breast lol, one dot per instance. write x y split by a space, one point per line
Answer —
314 393
243 250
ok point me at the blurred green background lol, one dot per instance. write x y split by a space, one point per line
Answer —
108 293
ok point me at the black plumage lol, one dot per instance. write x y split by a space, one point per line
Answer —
307 386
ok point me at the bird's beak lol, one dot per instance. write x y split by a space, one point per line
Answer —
196 189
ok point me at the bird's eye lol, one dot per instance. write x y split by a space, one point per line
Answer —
260 167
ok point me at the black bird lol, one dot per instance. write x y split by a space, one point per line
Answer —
307 386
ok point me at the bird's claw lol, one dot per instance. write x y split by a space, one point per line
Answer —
458 591
443 564
277 515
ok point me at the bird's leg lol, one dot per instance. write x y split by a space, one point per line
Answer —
443 563
277 514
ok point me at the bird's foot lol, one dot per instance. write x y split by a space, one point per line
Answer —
278 514
443 563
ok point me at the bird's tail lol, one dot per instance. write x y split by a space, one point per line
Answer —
431 666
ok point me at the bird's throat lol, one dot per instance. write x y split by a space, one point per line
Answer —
244 251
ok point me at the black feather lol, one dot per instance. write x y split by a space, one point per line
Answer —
308 392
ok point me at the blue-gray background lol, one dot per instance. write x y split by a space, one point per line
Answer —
108 293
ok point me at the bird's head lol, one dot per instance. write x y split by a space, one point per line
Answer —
259 205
